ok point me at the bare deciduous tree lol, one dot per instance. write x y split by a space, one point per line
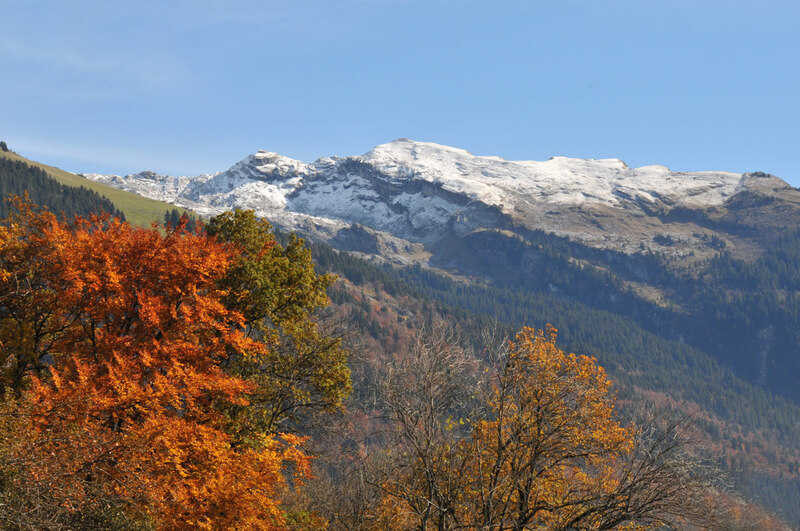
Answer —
426 398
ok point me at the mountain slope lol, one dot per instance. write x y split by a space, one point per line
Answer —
137 209
18 179
754 434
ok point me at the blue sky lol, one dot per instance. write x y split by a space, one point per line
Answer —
185 87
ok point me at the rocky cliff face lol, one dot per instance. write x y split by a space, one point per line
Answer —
428 194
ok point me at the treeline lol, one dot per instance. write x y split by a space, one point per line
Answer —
18 178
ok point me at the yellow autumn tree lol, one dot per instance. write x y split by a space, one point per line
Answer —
551 447
547 450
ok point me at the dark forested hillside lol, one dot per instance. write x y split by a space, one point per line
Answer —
759 430
636 355
743 313
18 178
754 306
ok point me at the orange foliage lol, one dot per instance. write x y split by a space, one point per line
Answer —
126 385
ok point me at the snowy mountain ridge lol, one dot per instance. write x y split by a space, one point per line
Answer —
423 192
558 180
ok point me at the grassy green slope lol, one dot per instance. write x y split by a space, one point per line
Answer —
138 210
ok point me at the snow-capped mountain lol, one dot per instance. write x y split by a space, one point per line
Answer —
420 194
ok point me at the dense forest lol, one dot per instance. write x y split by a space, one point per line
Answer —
618 343
745 314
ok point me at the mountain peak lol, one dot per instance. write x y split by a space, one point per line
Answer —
421 190
404 149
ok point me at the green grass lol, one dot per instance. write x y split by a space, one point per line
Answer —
137 209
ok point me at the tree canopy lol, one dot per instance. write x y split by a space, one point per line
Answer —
304 371
128 360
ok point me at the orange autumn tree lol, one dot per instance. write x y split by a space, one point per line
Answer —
113 338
